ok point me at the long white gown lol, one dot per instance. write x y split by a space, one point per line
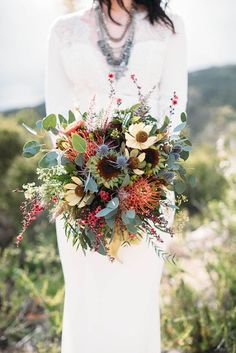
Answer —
112 307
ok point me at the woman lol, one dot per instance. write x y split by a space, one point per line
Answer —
114 307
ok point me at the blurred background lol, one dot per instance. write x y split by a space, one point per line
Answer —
199 293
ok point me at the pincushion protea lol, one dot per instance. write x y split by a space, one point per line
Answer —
142 196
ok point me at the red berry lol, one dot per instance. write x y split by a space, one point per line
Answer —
175 101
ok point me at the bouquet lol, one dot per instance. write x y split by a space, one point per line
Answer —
109 174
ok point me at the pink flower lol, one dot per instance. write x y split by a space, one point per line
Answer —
119 101
174 101
19 238
132 77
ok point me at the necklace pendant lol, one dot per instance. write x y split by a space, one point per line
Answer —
119 71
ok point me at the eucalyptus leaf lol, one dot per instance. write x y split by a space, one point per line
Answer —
179 127
79 160
111 214
50 159
126 180
90 185
188 142
130 214
187 148
62 119
91 235
154 129
132 228
110 222
138 220
125 219
171 161
71 117
165 124
28 128
54 131
183 117
173 207
113 204
65 160
126 119
78 143
192 180
104 212
39 124
175 166
184 155
101 249
179 186
31 148
50 122
135 107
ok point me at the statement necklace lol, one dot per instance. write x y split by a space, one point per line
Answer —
118 63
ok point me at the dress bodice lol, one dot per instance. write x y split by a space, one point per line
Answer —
77 70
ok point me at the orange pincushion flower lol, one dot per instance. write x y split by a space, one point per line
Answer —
91 150
74 127
142 196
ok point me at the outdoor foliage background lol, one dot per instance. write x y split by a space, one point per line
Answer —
198 294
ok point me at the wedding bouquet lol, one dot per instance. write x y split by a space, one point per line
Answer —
109 174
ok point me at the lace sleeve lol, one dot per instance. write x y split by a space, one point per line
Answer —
174 74
58 89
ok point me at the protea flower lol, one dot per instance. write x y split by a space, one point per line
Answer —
73 127
142 196
138 136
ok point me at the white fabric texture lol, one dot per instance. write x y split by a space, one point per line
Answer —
112 307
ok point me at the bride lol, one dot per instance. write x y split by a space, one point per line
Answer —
114 307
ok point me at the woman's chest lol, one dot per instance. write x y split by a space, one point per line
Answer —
87 68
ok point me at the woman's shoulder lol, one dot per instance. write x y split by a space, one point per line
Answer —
177 21
67 26
160 30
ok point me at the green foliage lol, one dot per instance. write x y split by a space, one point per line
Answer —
10 136
201 322
211 184
31 148
30 298
79 143
209 89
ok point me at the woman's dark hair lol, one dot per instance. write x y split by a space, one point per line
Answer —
155 10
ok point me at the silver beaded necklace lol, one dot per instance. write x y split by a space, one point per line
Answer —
118 63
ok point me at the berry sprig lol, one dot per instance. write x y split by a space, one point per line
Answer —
30 213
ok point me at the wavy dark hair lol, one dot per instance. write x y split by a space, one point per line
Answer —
155 10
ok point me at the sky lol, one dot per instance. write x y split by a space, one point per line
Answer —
24 24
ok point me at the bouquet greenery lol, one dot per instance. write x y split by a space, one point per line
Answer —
108 174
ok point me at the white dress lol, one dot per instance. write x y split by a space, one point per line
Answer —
112 307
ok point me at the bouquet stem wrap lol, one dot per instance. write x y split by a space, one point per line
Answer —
120 236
